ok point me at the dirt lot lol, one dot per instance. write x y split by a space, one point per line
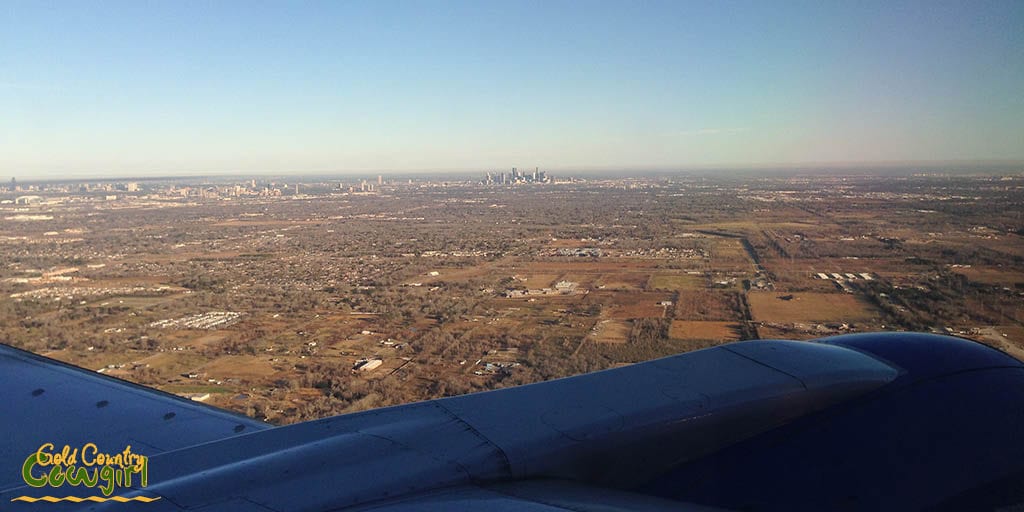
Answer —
808 307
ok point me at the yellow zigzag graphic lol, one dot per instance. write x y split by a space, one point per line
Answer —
97 499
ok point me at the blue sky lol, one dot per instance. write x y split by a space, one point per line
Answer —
145 88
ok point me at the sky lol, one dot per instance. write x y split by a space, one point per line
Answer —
145 88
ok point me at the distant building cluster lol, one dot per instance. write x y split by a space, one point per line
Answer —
68 187
210 320
497 367
79 292
576 252
40 194
561 288
516 177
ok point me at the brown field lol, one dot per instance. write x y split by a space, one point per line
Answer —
769 333
1009 246
705 305
638 311
787 280
810 266
91 360
606 265
138 302
611 331
1009 339
1014 334
584 280
993 276
625 305
154 280
203 341
538 280
451 274
675 282
808 307
719 331
729 254
624 281
239 367
172 362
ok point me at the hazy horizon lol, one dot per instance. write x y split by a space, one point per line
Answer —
951 168
233 88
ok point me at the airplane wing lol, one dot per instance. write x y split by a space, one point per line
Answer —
50 401
861 422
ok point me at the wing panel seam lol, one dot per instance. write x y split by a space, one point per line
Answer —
504 456
766 365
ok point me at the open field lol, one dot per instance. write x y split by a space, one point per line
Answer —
718 331
611 331
675 282
539 280
249 368
993 275
809 307
585 280
623 281
626 305
611 265
707 305
728 254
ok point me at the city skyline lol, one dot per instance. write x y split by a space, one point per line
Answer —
234 88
